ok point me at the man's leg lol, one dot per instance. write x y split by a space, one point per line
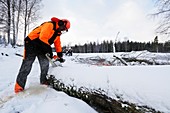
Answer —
44 66
24 71
28 59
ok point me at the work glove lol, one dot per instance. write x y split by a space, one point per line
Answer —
56 58
61 60
60 54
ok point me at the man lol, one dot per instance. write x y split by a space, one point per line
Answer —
38 44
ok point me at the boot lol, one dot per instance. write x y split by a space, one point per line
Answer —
18 88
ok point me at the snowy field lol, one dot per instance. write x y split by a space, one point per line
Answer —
143 85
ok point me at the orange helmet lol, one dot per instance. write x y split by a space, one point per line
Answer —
67 23
54 19
64 22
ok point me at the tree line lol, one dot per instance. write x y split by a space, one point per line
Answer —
17 15
125 46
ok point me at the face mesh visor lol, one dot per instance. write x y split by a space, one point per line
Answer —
63 32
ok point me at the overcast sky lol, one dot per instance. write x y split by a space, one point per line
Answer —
98 20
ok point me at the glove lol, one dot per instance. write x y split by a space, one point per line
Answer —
61 60
56 58
60 54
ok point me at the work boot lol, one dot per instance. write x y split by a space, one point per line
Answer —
45 83
18 88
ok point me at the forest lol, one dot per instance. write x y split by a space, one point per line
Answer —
125 46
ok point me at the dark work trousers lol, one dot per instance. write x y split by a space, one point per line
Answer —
31 52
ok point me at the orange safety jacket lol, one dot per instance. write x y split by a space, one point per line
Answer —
47 33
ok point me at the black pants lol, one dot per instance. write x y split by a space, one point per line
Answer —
31 52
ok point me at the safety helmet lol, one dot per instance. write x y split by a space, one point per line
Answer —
62 22
67 23
54 19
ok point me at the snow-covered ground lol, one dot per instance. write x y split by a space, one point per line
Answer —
143 85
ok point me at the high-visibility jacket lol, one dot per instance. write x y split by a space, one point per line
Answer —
48 34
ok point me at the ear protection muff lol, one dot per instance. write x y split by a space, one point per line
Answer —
60 23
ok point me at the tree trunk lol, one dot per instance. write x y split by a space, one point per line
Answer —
18 18
13 43
9 21
25 18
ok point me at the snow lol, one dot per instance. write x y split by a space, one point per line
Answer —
143 85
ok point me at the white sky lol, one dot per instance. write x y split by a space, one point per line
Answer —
98 20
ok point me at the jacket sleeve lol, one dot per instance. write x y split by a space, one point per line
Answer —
57 44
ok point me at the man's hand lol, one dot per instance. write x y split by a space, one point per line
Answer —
56 58
61 60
